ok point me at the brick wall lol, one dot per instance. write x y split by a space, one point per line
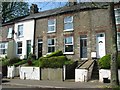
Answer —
85 23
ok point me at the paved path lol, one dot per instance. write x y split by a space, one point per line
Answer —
53 84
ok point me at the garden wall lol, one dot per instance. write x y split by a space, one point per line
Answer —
105 73
55 74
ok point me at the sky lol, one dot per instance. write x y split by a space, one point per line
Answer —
48 5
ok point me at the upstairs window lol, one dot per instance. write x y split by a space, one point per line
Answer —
117 15
20 30
10 34
51 45
118 41
19 47
51 25
68 23
68 45
3 48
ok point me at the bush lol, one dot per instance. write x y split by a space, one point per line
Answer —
57 53
14 60
20 62
104 62
31 56
53 62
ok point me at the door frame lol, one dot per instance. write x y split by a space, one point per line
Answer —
39 42
83 38
97 43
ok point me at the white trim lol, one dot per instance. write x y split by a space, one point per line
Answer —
52 25
69 44
67 23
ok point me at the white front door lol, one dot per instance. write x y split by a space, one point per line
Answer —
100 42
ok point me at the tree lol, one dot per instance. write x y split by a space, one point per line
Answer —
114 52
11 10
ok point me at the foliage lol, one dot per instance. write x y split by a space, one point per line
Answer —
14 60
11 10
20 62
31 57
104 62
57 53
54 62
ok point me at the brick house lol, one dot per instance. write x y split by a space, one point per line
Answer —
76 30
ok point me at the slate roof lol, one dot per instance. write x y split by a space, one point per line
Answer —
66 9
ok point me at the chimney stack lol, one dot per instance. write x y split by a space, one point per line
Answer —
72 2
33 9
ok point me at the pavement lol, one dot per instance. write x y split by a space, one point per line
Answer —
69 84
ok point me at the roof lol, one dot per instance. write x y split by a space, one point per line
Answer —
65 9
62 10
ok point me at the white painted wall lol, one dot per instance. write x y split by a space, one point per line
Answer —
32 73
28 34
105 73
81 75
12 71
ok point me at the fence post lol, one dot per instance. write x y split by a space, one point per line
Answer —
64 72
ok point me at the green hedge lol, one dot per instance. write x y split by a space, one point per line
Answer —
104 62
54 62
57 53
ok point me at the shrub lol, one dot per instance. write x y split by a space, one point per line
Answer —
57 53
53 62
14 60
31 56
20 62
104 62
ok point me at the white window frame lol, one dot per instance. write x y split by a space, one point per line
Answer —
118 41
21 35
52 25
67 23
19 47
50 45
3 48
69 44
117 16
10 30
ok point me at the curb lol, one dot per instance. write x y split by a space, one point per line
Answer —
32 86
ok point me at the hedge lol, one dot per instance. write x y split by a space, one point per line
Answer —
57 53
104 62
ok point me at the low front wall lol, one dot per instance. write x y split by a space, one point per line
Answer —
55 74
105 73
32 73
12 71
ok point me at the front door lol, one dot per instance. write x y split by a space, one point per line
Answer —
100 42
28 47
39 48
83 46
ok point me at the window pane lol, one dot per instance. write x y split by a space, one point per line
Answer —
68 26
19 51
51 22
19 44
51 49
20 30
50 41
117 19
117 12
68 40
68 48
51 28
68 19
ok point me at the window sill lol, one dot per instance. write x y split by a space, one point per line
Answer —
20 36
69 53
51 32
68 30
